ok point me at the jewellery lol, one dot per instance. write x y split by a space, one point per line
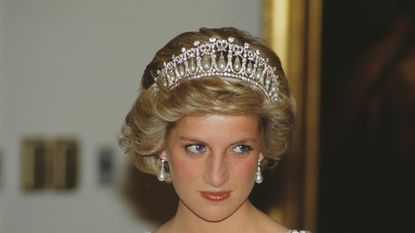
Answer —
162 171
208 59
259 178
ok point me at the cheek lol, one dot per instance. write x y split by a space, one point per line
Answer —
183 170
246 170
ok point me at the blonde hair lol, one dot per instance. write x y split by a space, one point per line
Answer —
153 115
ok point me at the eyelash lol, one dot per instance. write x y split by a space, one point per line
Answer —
246 149
195 151
198 149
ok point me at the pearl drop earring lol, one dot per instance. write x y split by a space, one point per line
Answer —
162 171
259 177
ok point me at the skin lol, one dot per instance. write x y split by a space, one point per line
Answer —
215 153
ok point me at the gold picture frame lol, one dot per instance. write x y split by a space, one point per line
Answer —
293 29
49 163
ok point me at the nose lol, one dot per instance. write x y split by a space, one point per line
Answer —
216 173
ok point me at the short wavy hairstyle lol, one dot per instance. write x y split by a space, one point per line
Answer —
153 115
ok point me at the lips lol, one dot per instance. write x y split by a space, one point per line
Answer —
216 196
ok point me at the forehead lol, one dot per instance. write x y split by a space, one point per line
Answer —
216 125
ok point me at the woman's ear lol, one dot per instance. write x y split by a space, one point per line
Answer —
261 157
163 155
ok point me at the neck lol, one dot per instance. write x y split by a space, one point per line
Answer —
186 221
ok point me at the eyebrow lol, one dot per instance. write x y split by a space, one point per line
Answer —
184 138
243 140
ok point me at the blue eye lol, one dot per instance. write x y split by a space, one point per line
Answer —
242 149
196 149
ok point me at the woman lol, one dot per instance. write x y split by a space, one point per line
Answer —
214 109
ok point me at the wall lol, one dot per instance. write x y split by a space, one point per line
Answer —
2 112
72 68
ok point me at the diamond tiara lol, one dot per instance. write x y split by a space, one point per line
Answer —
240 63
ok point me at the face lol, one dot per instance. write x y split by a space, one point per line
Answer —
213 160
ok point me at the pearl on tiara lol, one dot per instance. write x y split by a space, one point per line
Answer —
221 58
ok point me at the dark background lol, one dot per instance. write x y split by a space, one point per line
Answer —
367 162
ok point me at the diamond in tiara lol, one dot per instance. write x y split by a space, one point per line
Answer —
220 58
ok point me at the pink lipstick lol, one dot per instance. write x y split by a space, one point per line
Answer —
216 196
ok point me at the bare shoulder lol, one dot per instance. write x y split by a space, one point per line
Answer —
163 228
